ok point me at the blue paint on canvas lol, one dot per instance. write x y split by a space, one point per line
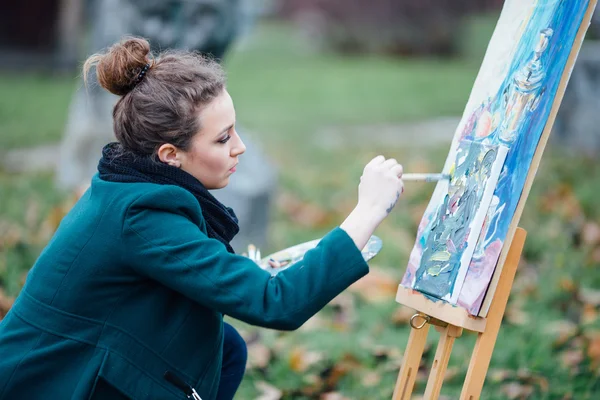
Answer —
527 75
558 23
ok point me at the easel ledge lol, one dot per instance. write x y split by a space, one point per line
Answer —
440 310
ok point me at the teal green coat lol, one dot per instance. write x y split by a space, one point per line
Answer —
130 287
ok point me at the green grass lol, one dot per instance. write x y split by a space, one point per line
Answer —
284 97
283 91
33 108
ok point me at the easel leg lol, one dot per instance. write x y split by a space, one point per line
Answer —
484 346
440 362
410 363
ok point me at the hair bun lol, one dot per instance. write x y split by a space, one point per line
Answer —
118 69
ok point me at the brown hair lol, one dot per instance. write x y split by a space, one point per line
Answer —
162 106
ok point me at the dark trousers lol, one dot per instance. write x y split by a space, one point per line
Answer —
235 355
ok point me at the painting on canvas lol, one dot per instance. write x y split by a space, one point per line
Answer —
509 105
448 239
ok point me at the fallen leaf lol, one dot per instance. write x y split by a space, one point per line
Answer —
590 234
402 315
6 303
267 392
526 280
499 375
571 358
567 285
593 349
303 213
589 314
371 379
311 379
377 286
333 374
590 296
563 330
316 322
10 234
451 373
386 353
32 212
333 396
561 200
50 224
259 355
595 256
301 359
514 390
526 376
515 315
344 311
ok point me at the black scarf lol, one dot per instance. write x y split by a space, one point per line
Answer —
119 165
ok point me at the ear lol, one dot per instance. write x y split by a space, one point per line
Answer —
169 154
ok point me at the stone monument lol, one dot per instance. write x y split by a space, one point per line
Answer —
208 26
577 126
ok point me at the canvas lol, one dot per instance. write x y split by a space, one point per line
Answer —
510 105
448 235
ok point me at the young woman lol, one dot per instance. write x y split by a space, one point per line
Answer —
127 300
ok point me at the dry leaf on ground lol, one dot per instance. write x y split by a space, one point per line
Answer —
347 364
515 315
267 391
6 303
564 330
344 311
571 358
301 359
500 375
402 315
560 200
377 286
371 379
593 349
259 355
515 390
303 213
590 296
590 234
333 396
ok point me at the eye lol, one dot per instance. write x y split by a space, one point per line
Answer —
225 139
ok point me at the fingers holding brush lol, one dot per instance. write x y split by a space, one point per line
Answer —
398 170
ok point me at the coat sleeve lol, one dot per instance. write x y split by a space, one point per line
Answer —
166 245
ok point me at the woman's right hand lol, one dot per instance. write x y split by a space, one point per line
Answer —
380 186
378 192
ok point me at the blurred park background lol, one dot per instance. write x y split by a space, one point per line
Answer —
321 87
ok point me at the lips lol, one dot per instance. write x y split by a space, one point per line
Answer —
233 169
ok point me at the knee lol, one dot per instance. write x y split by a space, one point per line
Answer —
235 350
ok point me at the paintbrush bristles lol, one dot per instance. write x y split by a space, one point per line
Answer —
425 177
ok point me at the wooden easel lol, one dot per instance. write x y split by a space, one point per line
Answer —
450 321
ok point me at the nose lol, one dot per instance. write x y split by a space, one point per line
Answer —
239 147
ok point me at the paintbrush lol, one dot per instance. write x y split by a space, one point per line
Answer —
425 177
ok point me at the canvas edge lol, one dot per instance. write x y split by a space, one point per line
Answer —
482 210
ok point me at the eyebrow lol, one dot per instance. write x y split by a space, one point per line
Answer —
224 130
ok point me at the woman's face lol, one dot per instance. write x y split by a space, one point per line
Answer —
214 152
